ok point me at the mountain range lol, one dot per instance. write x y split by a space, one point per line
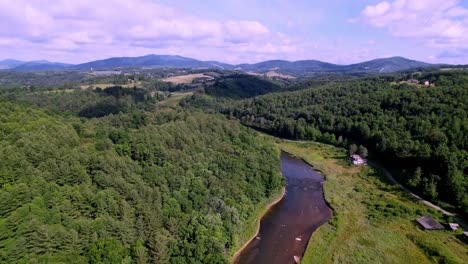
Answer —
296 68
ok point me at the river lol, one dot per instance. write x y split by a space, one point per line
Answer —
286 228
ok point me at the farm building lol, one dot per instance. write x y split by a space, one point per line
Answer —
454 226
429 223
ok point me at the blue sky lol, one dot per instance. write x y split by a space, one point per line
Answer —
337 31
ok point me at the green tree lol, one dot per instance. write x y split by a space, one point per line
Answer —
415 180
106 251
352 149
362 151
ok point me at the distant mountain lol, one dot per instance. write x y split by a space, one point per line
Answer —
173 61
40 65
9 63
302 68
385 65
311 67
288 67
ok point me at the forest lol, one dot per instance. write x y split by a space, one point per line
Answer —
422 132
108 176
128 187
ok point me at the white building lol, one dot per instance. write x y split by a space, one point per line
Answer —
358 160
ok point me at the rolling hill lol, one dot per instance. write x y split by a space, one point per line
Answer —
303 65
311 67
40 65
173 61
302 68
9 63
385 65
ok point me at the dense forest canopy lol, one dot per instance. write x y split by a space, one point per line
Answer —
89 103
421 130
128 188
242 86
106 176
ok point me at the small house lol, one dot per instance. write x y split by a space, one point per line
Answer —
429 223
358 160
427 83
454 226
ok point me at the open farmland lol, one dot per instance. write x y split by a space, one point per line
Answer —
107 85
183 79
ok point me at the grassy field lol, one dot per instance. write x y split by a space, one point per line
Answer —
174 99
276 74
373 219
107 85
183 79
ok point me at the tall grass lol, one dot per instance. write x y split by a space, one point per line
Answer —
373 219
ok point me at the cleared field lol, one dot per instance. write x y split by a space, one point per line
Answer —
174 99
453 69
254 73
107 85
271 74
183 79
405 82
373 219
277 74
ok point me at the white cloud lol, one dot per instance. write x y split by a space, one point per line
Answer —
435 23
98 28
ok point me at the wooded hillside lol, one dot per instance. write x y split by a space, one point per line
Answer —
421 131
159 187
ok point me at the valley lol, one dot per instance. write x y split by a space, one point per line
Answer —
167 166
373 219
234 132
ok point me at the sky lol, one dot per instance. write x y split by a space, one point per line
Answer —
235 31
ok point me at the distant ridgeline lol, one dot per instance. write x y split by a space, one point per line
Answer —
134 187
422 131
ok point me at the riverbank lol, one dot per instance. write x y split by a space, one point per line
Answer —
257 219
373 218
285 229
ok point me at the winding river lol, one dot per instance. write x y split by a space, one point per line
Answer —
286 228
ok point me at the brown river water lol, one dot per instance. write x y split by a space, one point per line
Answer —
286 228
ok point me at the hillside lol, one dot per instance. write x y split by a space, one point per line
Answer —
313 67
421 132
146 61
302 68
242 86
40 66
294 68
129 188
386 65
9 63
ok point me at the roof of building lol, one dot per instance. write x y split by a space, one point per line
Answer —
454 225
429 223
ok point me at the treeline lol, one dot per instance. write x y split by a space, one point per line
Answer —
89 103
56 79
238 86
171 187
421 131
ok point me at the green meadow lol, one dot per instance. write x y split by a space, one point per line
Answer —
374 221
